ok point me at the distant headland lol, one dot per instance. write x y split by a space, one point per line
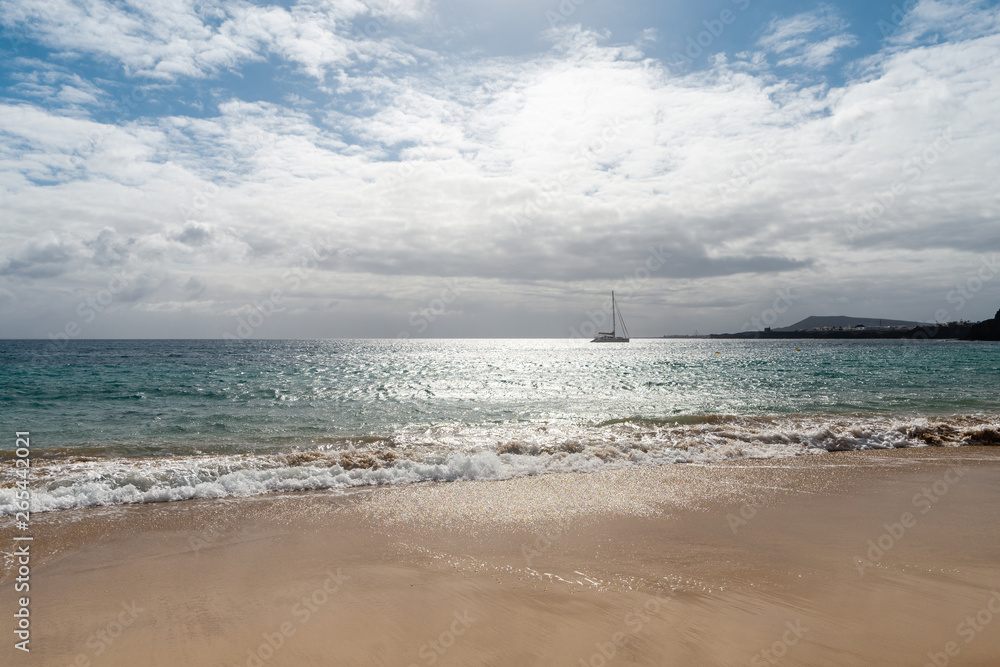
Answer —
841 326
987 329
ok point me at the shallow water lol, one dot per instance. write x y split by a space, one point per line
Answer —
141 421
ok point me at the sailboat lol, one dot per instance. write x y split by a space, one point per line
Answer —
616 316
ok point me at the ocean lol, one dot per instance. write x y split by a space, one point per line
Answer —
137 421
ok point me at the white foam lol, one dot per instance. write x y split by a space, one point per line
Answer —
452 452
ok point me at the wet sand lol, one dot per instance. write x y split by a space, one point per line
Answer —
853 558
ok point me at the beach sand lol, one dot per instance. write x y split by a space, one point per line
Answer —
852 558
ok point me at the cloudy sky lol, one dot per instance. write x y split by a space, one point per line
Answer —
458 168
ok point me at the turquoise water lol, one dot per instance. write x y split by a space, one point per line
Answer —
166 415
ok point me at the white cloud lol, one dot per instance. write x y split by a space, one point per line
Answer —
184 39
811 39
932 21
45 256
53 85
549 176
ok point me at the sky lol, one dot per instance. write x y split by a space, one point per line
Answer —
441 168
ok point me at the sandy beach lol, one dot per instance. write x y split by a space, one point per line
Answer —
853 558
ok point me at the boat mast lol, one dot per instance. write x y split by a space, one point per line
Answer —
618 314
613 316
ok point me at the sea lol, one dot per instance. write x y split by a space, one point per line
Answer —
114 422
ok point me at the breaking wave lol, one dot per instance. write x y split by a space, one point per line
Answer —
450 452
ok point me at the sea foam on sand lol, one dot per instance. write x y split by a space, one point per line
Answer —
628 566
451 452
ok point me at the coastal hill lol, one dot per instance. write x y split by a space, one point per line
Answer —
840 321
986 330
840 326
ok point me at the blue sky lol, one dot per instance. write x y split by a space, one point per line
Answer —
458 168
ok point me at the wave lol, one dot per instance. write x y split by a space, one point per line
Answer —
451 451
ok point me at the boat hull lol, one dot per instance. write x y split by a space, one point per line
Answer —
617 339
